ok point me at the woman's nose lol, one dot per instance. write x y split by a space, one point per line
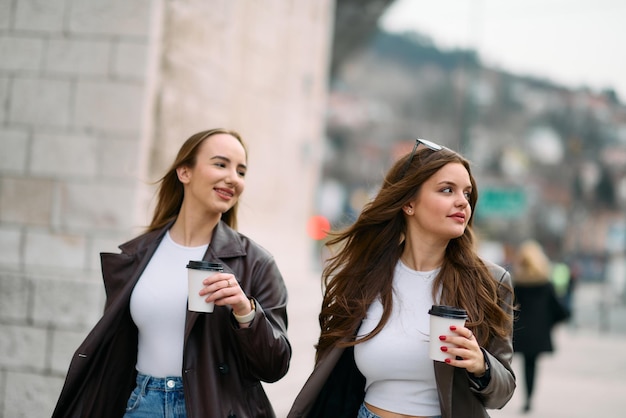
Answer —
234 179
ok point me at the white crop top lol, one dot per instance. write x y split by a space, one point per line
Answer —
158 306
399 374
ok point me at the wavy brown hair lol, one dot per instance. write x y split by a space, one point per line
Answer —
363 267
170 191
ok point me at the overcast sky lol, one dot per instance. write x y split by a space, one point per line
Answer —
571 42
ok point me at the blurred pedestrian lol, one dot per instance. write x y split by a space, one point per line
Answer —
412 247
149 356
538 310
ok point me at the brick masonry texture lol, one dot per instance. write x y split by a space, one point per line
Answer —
96 96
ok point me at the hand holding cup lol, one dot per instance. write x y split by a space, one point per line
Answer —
223 289
441 319
197 272
451 342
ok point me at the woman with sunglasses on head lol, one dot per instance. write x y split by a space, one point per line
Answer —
149 356
412 247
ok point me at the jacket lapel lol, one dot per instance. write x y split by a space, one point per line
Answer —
225 243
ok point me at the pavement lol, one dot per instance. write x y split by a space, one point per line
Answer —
584 377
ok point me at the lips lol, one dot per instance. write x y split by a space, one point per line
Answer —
224 193
458 216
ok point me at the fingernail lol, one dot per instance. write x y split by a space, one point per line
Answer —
444 348
447 360
452 328
442 337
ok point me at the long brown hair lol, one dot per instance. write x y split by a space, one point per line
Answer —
369 250
170 192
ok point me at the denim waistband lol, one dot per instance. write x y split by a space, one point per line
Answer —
166 384
366 413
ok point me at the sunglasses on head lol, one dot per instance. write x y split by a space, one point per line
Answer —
428 144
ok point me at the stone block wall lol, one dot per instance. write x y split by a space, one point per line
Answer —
96 96
73 82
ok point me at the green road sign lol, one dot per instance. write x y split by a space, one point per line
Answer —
501 202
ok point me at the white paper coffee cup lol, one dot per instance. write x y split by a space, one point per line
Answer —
197 271
441 318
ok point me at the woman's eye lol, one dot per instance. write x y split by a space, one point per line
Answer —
447 190
222 165
468 195
242 173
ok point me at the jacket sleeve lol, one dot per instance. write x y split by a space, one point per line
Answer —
499 353
264 344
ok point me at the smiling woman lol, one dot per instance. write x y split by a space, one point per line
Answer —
212 184
171 191
168 360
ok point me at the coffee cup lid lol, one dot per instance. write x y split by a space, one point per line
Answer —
448 312
204 265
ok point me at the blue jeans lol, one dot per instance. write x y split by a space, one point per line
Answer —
156 397
366 413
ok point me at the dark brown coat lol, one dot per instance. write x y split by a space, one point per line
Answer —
223 365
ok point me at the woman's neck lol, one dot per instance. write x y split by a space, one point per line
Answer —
422 256
193 231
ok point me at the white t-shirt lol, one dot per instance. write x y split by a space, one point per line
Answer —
399 374
158 306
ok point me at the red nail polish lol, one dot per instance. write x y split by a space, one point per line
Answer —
444 348
452 328
447 360
442 337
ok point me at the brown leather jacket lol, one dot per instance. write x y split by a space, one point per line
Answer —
336 385
223 364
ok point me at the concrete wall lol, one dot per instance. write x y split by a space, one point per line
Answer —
96 96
